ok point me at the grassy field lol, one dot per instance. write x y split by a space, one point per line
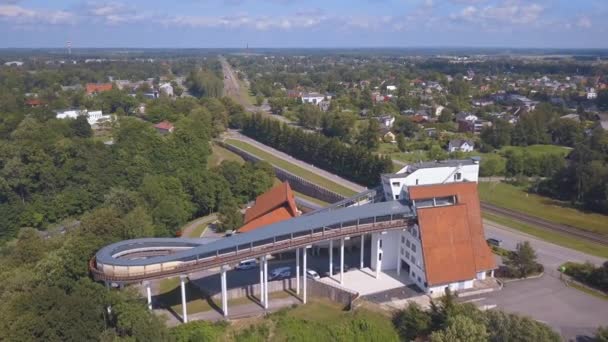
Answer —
246 95
219 154
538 149
553 237
296 170
515 198
319 320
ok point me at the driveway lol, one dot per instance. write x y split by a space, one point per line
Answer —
569 311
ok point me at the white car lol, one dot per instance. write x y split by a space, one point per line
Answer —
312 274
246 264
280 273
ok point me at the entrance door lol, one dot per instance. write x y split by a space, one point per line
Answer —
405 267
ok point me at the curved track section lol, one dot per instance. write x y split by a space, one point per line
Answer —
140 259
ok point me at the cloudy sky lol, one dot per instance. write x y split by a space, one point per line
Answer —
304 23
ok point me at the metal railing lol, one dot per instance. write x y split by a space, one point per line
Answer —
253 251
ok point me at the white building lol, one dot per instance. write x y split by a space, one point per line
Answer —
391 88
14 63
167 89
436 172
93 117
447 247
459 145
591 94
386 121
314 98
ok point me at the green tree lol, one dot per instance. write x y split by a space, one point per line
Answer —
230 216
412 322
81 127
461 329
309 116
370 137
406 127
523 260
401 143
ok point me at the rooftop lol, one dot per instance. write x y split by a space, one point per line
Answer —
275 205
408 169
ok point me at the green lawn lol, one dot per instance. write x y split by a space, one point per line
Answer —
515 198
200 225
296 170
538 149
553 237
246 95
219 154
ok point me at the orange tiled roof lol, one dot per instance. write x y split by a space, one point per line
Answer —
453 240
277 204
166 125
98 87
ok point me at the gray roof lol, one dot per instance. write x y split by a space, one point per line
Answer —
292 226
434 164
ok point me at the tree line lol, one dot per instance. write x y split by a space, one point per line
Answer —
353 162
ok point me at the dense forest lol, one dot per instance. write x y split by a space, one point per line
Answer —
354 162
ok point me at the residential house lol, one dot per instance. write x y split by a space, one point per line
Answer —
93 117
466 116
391 88
313 98
166 88
96 88
275 205
573 117
34 103
591 94
386 120
164 127
461 145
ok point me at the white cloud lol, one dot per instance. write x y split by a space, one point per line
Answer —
506 13
584 22
19 15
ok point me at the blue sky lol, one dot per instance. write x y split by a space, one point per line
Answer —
299 23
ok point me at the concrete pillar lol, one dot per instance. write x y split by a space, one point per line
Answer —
305 280
342 261
361 256
492 274
331 258
149 294
265 282
298 271
224 293
378 257
399 255
182 279
261 280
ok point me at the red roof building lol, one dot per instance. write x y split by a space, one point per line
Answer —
95 88
34 103
275 205
164 127
454 247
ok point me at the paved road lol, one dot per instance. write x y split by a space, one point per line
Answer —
232 134
550 255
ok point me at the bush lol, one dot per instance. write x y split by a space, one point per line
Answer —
588 274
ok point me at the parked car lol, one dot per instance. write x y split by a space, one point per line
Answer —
312 274
246 264
280 273
494 242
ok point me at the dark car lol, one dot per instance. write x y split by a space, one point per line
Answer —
494 242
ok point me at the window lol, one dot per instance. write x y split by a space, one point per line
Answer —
416 181
380 257
380 243
403 239
457 176
407 255
397 184
408 243
396 197
414 259
415 232
419 280
414 247
402 250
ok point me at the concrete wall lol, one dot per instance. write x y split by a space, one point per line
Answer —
389 250
412 255
298 184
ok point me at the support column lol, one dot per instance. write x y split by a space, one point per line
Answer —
149 294
342 261
261 280
362 247
182 279
305 280
399 255
224 293
378 257
331 258
265 282
298 271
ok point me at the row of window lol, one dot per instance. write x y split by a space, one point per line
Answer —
408 244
